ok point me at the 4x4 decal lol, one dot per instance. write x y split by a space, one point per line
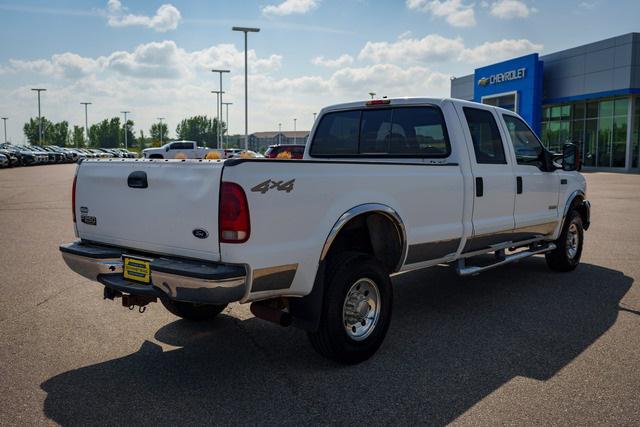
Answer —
269 184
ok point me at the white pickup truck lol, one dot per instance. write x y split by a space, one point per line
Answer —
385 186
177 150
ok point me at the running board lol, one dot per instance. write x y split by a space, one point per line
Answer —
463 270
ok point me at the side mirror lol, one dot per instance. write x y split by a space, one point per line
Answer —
167 149
570 157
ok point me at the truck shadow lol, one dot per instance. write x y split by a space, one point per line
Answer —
453 341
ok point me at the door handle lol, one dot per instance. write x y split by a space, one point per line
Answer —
137 179
519 185
479 187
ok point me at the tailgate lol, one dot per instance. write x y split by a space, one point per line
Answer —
176 214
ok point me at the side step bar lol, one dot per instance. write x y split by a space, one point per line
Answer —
463 270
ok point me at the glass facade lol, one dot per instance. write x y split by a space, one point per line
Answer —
599 127
635 163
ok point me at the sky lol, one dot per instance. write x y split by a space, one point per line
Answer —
153 58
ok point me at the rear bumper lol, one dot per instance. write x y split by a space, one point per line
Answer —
201 282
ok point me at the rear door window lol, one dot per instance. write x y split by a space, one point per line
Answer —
383 132
487 143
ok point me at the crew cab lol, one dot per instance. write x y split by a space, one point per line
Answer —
177 150
385 186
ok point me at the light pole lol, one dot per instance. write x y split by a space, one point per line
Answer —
86 121
314 117
295 138
126 127
160 119
372 94
227 121
39 115
4 119
218 113
246 30
279 133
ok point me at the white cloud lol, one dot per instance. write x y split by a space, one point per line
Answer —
490 52
508 9
290 7
587 5
435 48
455 12
167 17
432 47
155 60
341 61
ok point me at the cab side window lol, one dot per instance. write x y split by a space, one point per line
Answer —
525 144
487 143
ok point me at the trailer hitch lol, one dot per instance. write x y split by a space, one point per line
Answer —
141 301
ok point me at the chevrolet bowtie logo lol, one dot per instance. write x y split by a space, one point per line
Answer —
483 81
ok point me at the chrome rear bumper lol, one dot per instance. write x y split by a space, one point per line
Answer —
201 282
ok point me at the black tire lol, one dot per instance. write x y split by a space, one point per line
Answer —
156 156
566 256
346 271
191 311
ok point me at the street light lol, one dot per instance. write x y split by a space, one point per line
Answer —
4 119
39 115
160 119
314 117
295 139
246 30
86 121
220 110
218 113
227 122
125 128
279 133
372 94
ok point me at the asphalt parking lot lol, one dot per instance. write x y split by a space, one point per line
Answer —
518 345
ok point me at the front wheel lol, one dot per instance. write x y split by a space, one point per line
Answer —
191 311
566 256
357 309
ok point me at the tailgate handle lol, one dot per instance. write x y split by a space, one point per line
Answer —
137 179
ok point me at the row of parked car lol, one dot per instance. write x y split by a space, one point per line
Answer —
30 155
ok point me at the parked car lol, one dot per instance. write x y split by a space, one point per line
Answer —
101 154
385 186
127 153
12 157
295 150
4 161
39 157
177 149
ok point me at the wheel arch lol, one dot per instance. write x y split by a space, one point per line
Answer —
365 211
575 201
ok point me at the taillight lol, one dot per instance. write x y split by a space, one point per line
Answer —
378 102
73 197
233 221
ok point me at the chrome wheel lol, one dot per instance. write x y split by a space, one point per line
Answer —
361 309
573 241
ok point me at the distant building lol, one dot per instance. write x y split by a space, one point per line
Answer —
259 141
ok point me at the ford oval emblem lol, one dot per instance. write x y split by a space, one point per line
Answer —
200 233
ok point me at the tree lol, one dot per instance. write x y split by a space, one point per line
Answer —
131 137
199 129
77 137
58 133
107 133
159 132
31 130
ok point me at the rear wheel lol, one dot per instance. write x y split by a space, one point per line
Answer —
191 311
357 309
566 256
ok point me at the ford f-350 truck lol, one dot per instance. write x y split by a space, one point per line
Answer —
385 186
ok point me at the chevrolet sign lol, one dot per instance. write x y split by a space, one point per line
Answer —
517 74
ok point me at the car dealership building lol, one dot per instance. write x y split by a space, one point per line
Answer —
589 95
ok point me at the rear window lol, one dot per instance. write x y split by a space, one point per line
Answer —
382 132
